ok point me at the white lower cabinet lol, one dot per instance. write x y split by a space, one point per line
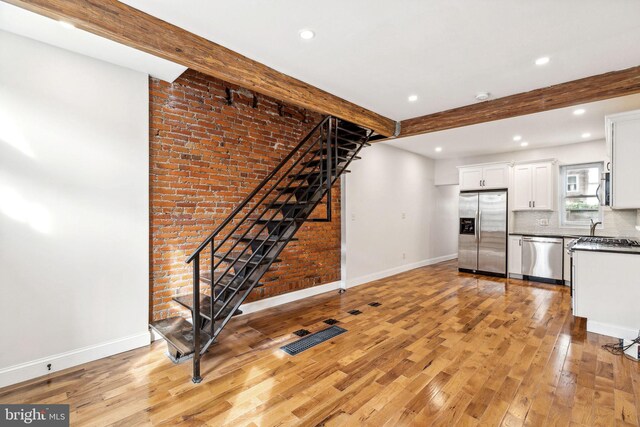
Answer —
606 292
566 275
515 255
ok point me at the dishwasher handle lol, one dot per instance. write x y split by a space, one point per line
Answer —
543 240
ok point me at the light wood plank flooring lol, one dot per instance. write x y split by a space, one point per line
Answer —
444 348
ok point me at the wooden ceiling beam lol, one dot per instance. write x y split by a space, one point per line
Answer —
589 89
126 25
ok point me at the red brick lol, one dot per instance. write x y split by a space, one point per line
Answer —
205 157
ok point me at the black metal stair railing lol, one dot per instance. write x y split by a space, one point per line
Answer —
250 239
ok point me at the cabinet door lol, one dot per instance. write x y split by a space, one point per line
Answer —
522 194
495 176
566 275
543 188
470 178
626 158
515 254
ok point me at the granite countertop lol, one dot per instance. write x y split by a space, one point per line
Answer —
585 246
550 234
606 248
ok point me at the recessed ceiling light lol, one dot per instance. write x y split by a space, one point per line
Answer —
438 149
524 144
586 135
307 34
67 25
412 98
579 112
543 60
517 138
482 96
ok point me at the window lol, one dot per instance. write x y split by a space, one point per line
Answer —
579 194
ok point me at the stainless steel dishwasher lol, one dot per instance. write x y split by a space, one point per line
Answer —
542 257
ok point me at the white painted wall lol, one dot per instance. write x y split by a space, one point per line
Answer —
74 214
385 185
445 221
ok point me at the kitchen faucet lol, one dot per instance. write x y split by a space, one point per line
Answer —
593 227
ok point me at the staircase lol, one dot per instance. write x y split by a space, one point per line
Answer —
230 262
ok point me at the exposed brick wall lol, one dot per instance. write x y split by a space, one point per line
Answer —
205 157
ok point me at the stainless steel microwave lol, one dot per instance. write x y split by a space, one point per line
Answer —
603 192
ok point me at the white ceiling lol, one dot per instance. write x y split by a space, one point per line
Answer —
27 24
556 127
375 52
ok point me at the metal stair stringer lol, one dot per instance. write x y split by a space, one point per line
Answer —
245 245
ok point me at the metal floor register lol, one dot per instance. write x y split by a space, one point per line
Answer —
312 340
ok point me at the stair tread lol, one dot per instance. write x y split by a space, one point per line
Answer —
186 300
276 204
275 220
244 258
341 148
311 174
346 142
178 332
226 279
261 238
315 163
304 188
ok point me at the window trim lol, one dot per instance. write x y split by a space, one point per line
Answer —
562 195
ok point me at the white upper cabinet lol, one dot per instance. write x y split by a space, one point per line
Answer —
495 176
534 186
484 177
543 185
470 178
623 143
523 189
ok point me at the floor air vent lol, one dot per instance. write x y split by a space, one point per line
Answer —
312 340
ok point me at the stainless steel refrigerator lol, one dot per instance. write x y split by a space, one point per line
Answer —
482 240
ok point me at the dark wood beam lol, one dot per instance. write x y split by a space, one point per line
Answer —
122 23
589 89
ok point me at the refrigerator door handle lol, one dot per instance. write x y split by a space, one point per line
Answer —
478 225
477 234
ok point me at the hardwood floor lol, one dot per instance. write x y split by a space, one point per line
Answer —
444 348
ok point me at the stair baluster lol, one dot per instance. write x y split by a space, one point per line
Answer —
248 244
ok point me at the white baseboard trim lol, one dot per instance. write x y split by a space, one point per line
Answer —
33 369
252 307
357 281
614 331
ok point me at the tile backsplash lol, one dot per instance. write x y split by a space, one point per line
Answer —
618 223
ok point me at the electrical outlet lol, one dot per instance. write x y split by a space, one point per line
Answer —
353 217
543 222
404 255
404 215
